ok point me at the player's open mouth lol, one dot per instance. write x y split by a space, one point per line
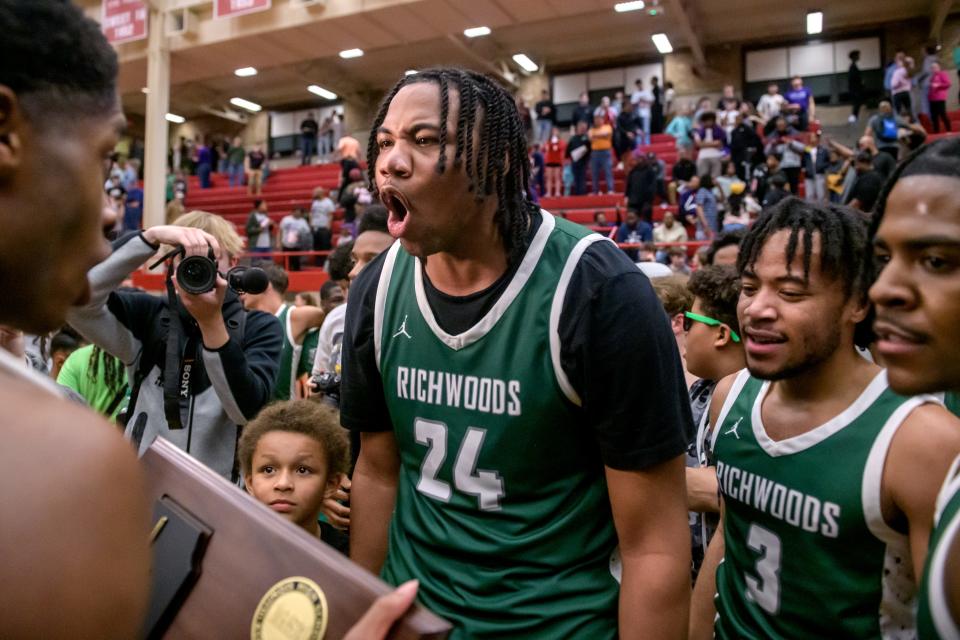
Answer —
398 208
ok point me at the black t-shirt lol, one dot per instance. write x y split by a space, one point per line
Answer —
346 166
684 169
542 110
309 127
866 189
617 349
583 113
854 78
256 159
884 164
575 142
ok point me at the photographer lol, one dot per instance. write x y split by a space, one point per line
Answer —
228 357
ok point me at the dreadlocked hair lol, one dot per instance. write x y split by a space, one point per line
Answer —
113 372
843 245
499 163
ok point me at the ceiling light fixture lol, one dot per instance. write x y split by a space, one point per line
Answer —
410 72
351 53
476 32
814 22
525 62
323 93
662 42
623 7
245 104
144 90
245 72
174 118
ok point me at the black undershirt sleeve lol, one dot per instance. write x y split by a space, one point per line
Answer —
621 356
363 405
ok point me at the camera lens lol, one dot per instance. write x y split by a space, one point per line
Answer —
197 274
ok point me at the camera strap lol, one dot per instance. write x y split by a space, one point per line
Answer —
171 369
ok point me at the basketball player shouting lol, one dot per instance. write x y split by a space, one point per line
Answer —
517 387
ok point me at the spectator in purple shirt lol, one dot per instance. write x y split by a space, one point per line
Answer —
204 165
711 140
800 103
900 86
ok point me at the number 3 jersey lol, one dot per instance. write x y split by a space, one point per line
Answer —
807 551
502 510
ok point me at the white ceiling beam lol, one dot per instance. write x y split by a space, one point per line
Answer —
939 9
483 62
678 12
226 114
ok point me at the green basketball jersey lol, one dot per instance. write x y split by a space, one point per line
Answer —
951 399
289 358
502 511
807 551
308 352
934 619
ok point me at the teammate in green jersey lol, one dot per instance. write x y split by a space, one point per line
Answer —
517 388
828 478
296 323
916 239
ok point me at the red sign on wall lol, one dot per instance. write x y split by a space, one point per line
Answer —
124 20
230 8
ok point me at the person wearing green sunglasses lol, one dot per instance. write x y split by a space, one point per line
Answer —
691 317
713 351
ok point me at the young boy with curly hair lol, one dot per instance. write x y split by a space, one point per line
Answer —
293 455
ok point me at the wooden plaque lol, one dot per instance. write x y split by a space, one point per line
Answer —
251 551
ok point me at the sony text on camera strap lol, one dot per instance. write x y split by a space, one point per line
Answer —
179 363
173 388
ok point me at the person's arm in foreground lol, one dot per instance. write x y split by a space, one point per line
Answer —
702 489
372 498
649 511
703 609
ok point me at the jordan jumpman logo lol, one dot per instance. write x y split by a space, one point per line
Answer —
734 428
402 331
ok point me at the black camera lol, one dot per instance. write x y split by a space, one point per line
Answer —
328 383
198 274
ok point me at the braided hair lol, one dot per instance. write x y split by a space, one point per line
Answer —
113 372
843 245
498 165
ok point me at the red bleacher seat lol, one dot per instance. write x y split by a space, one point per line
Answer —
586 216
582 202
662 137
945 134
284 190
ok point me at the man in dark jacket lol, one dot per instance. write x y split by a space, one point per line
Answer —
746 147
625 134
578 150
583 112
641 186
